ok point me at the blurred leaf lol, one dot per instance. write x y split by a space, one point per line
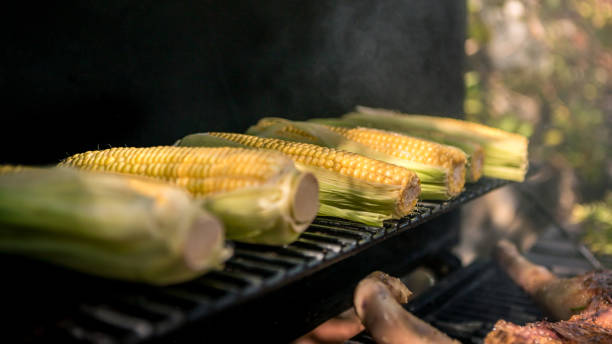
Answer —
604 35
509 123
596 219
472 106
564 65
471 79
553 4
584 8
553 137
590 91
477 30
526 129
561 115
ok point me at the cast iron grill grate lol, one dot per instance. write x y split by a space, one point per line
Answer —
136 313
467 304
475 309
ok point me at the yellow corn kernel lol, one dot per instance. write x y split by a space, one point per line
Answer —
201 170
317 156
345 163
411 149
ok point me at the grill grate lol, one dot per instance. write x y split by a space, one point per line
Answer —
467 304
136 313
471 314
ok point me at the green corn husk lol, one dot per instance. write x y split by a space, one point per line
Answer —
433 179
275 213
339 196
505 153
108 225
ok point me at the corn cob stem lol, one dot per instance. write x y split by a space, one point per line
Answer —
108 225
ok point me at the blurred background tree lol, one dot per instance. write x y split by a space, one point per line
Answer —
543 68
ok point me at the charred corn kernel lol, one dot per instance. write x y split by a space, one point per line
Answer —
202 171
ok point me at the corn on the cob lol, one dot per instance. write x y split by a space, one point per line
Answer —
277 200
441 168
108 225
202 171
412 149
351 185
505 153
474 151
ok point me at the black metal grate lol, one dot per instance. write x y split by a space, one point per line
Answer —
467 304
131 313
472 312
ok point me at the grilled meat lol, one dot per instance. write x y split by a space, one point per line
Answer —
335 330
560 297
377 301
585 327
583 304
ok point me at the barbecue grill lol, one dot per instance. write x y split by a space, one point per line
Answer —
280 293
273 292
149 74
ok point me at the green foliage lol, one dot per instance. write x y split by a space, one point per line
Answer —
543 69
596 219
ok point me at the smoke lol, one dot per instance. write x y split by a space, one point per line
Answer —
406 55
153 72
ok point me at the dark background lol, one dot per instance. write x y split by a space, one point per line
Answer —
82 75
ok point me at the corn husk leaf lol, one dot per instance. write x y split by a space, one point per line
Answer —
108 225
275 213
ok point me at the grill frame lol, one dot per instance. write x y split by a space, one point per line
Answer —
312 279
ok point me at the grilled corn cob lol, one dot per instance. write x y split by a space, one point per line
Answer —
108 225
277 202
441 168
351 186
474 151
505 153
